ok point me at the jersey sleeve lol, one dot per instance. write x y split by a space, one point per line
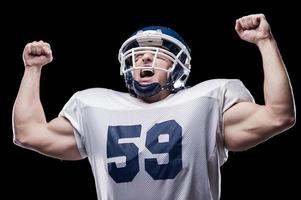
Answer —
233 92
72 112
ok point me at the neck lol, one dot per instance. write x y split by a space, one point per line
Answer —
155 98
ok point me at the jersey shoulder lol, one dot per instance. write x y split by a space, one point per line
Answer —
221 90
217 84
99 96
211 88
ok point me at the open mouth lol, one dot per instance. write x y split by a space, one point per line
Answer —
146 73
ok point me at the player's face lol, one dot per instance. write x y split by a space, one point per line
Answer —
148 74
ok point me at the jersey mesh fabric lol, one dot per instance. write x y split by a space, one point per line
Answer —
170 150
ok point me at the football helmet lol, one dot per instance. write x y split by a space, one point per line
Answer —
160 42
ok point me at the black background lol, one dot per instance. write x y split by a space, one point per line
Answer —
85 40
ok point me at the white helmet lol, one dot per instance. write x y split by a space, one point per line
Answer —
160 41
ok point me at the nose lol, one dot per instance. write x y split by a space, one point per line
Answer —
147 58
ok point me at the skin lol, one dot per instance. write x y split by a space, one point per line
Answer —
159 76
248 124
245 124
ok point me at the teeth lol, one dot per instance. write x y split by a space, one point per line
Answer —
146 72
149 70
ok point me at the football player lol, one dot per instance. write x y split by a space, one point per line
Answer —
161 140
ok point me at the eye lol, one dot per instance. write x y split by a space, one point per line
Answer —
163 57
138 57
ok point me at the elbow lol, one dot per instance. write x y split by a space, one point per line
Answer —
285 122
19 140
281 118
21 137
19 132
290 121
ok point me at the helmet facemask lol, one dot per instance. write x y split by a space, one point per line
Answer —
159 45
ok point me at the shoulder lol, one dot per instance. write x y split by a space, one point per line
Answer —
95 92
214 86
217 84
220 90
96 96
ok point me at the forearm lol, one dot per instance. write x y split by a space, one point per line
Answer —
28 108
278 92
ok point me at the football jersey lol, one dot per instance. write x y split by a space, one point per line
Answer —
168 150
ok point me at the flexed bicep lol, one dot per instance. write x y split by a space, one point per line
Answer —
55 139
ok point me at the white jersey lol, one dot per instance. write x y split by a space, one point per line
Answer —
168 150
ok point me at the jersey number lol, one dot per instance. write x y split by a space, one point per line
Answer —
172 144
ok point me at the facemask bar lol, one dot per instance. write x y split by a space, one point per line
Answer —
128 63
153 36
153 41
131 54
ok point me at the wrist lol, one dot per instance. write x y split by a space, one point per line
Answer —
265 42
32 69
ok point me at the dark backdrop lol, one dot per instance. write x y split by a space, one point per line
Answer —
85 40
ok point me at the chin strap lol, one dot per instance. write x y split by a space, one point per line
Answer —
152 89
146 90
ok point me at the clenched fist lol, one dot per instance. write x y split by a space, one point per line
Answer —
253 28
37 54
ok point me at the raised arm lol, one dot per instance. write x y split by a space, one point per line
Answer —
31 130
248 124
